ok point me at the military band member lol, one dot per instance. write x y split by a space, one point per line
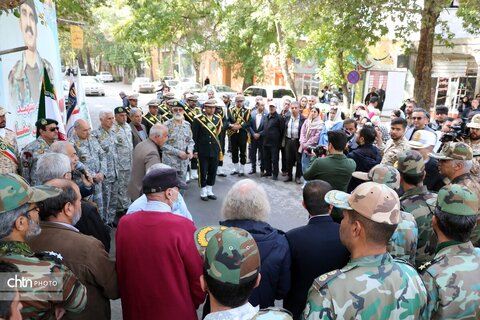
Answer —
164 109
47 133
8 146
238 121
152 117
206 128
191 110
221 111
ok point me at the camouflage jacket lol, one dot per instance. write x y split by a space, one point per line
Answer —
391 150
6 164
180 138
107 140
453 280
40 299
124 145
476 156
90 153
403 243
414 202
30 155
371 287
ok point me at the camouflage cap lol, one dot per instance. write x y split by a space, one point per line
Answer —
475 123
454 151
232 256
273 313
374 201
410 162
210 103
154 102
457 200
203 235
15 192
381 173
423 139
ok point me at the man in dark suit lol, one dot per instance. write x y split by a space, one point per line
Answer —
293 126
315 248
139 131
256 126
272 138
146 154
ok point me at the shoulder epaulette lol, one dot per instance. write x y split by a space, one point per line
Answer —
50 255
323 280
423 268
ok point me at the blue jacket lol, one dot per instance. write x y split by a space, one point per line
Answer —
275 261
366 157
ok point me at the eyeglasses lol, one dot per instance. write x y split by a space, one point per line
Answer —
27 213
53 129
417 118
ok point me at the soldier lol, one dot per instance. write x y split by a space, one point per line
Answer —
452 277
124 146
206 129
107 139
397 144
152 117
403 243
371 213
48 131
412 172
455 161
473 141
91 154
20 222
178 149
192 110
164 109
238 120
8 147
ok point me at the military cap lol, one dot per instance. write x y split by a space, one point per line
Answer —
133 97
273 313
16 192
454 151
381 173
119 110
410 162
3 111
475 123
225 95
154 102
169 95
210 103
374 201
191 97
159 180
441 110
239 97
203 235
457 200
45 122
232 256
175 103
422 139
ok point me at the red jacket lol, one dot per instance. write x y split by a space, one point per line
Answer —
158 266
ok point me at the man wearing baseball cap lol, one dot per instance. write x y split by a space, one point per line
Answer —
19 208
231 270
453 276
371 214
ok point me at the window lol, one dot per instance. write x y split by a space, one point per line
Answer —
279 93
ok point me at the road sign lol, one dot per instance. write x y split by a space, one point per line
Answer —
76 37
353 77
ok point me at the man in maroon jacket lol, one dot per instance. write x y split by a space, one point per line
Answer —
158 265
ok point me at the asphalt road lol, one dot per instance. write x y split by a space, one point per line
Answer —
285 198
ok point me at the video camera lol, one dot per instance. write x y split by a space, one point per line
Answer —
457 133
319 151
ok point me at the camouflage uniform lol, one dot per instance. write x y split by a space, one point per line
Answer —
368 287
7 165
452 277
30 155
91 154
180 138
108 142
124 148
391 150
475 145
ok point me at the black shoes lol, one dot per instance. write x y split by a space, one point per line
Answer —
204 198
266 175
275 178
212 196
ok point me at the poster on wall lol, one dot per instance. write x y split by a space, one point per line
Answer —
22 73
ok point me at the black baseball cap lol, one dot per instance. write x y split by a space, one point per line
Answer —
159 180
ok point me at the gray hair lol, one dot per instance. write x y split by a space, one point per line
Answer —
134 111
59 147
467 164
51 166
158 166
246 200
157 130
103 113
8 218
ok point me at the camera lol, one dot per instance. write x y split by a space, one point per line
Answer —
457 133
318 151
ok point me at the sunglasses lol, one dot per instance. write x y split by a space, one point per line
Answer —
53 129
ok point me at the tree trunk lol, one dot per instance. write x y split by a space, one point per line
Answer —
423 67
89 62
81 63
284 57
248 78
196 66
341 72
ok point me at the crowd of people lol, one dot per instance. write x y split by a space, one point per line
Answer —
393 213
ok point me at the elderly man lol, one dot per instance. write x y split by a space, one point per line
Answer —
139 131
9 160
146 154
371 213
152 116
108 141
272 140
453 275
19 223
47 133
420 122
238 119
256 126
246 206
170 237
293 127
82 254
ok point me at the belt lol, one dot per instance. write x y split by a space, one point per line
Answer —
294 139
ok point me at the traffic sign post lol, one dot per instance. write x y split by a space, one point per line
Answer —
353 78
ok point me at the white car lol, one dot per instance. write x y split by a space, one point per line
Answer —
271 93
93 86
184 86
218 90
143 84
105 76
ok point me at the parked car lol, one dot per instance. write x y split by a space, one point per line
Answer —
66 89
171 83
105 76
83 72
270 93
143 84
184 86
218 89
93 86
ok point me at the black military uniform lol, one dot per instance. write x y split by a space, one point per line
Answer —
163 109
219 111
207 146
239 138
148 120
190 113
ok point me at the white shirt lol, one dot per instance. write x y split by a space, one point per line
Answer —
258 119
245 312
142 203
292 129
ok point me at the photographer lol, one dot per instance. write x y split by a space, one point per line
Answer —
335 168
